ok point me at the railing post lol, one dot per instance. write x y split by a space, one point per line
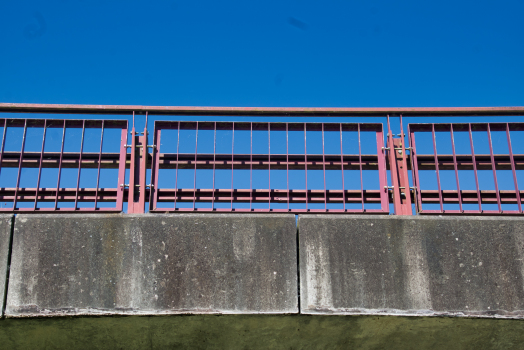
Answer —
399 172
137 172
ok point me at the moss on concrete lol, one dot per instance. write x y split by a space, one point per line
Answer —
261 332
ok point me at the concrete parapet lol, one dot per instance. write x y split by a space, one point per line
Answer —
153 264
393 265
6 222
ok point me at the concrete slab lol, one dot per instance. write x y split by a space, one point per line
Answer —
153 264
457 266
6 221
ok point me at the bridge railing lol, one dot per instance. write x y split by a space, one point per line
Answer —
259 166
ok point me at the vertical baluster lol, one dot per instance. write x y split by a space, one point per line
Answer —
342 168
20 166
287 164
195 173
305 164
3 145
494 169
176 167
360 167
437 167
455 166
60 165
251 168
475 168
517 193
80 163
269 164
414 167
324 169
214 162
99 162
232 164
40 166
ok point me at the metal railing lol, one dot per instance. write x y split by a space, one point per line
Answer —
285 166
222 166
27 199
470 161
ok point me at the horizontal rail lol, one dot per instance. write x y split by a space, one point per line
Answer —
259 161
69 160
260 111
265 195
470 196
263 161
465 162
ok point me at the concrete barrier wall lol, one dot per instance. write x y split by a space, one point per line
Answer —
152 264
467 266
6 222
238 263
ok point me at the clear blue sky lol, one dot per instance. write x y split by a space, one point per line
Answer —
264 53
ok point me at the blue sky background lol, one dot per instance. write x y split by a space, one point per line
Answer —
264 53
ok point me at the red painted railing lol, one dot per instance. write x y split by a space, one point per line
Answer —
296 167
333 163
472 161
29 199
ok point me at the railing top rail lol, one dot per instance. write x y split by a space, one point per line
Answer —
69 123
275 126
261 111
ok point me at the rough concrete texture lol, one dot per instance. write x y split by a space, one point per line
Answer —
467 266
6 222
152 264
261 332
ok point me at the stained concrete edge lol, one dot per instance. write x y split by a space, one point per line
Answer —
6 223
251 258
411 266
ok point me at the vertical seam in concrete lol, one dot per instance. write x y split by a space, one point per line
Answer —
8 267
298 265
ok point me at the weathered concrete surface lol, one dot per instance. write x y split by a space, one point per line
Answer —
6 222
152 264
261 332
467 266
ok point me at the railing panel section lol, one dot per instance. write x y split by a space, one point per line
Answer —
467 168
269 167
61 165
